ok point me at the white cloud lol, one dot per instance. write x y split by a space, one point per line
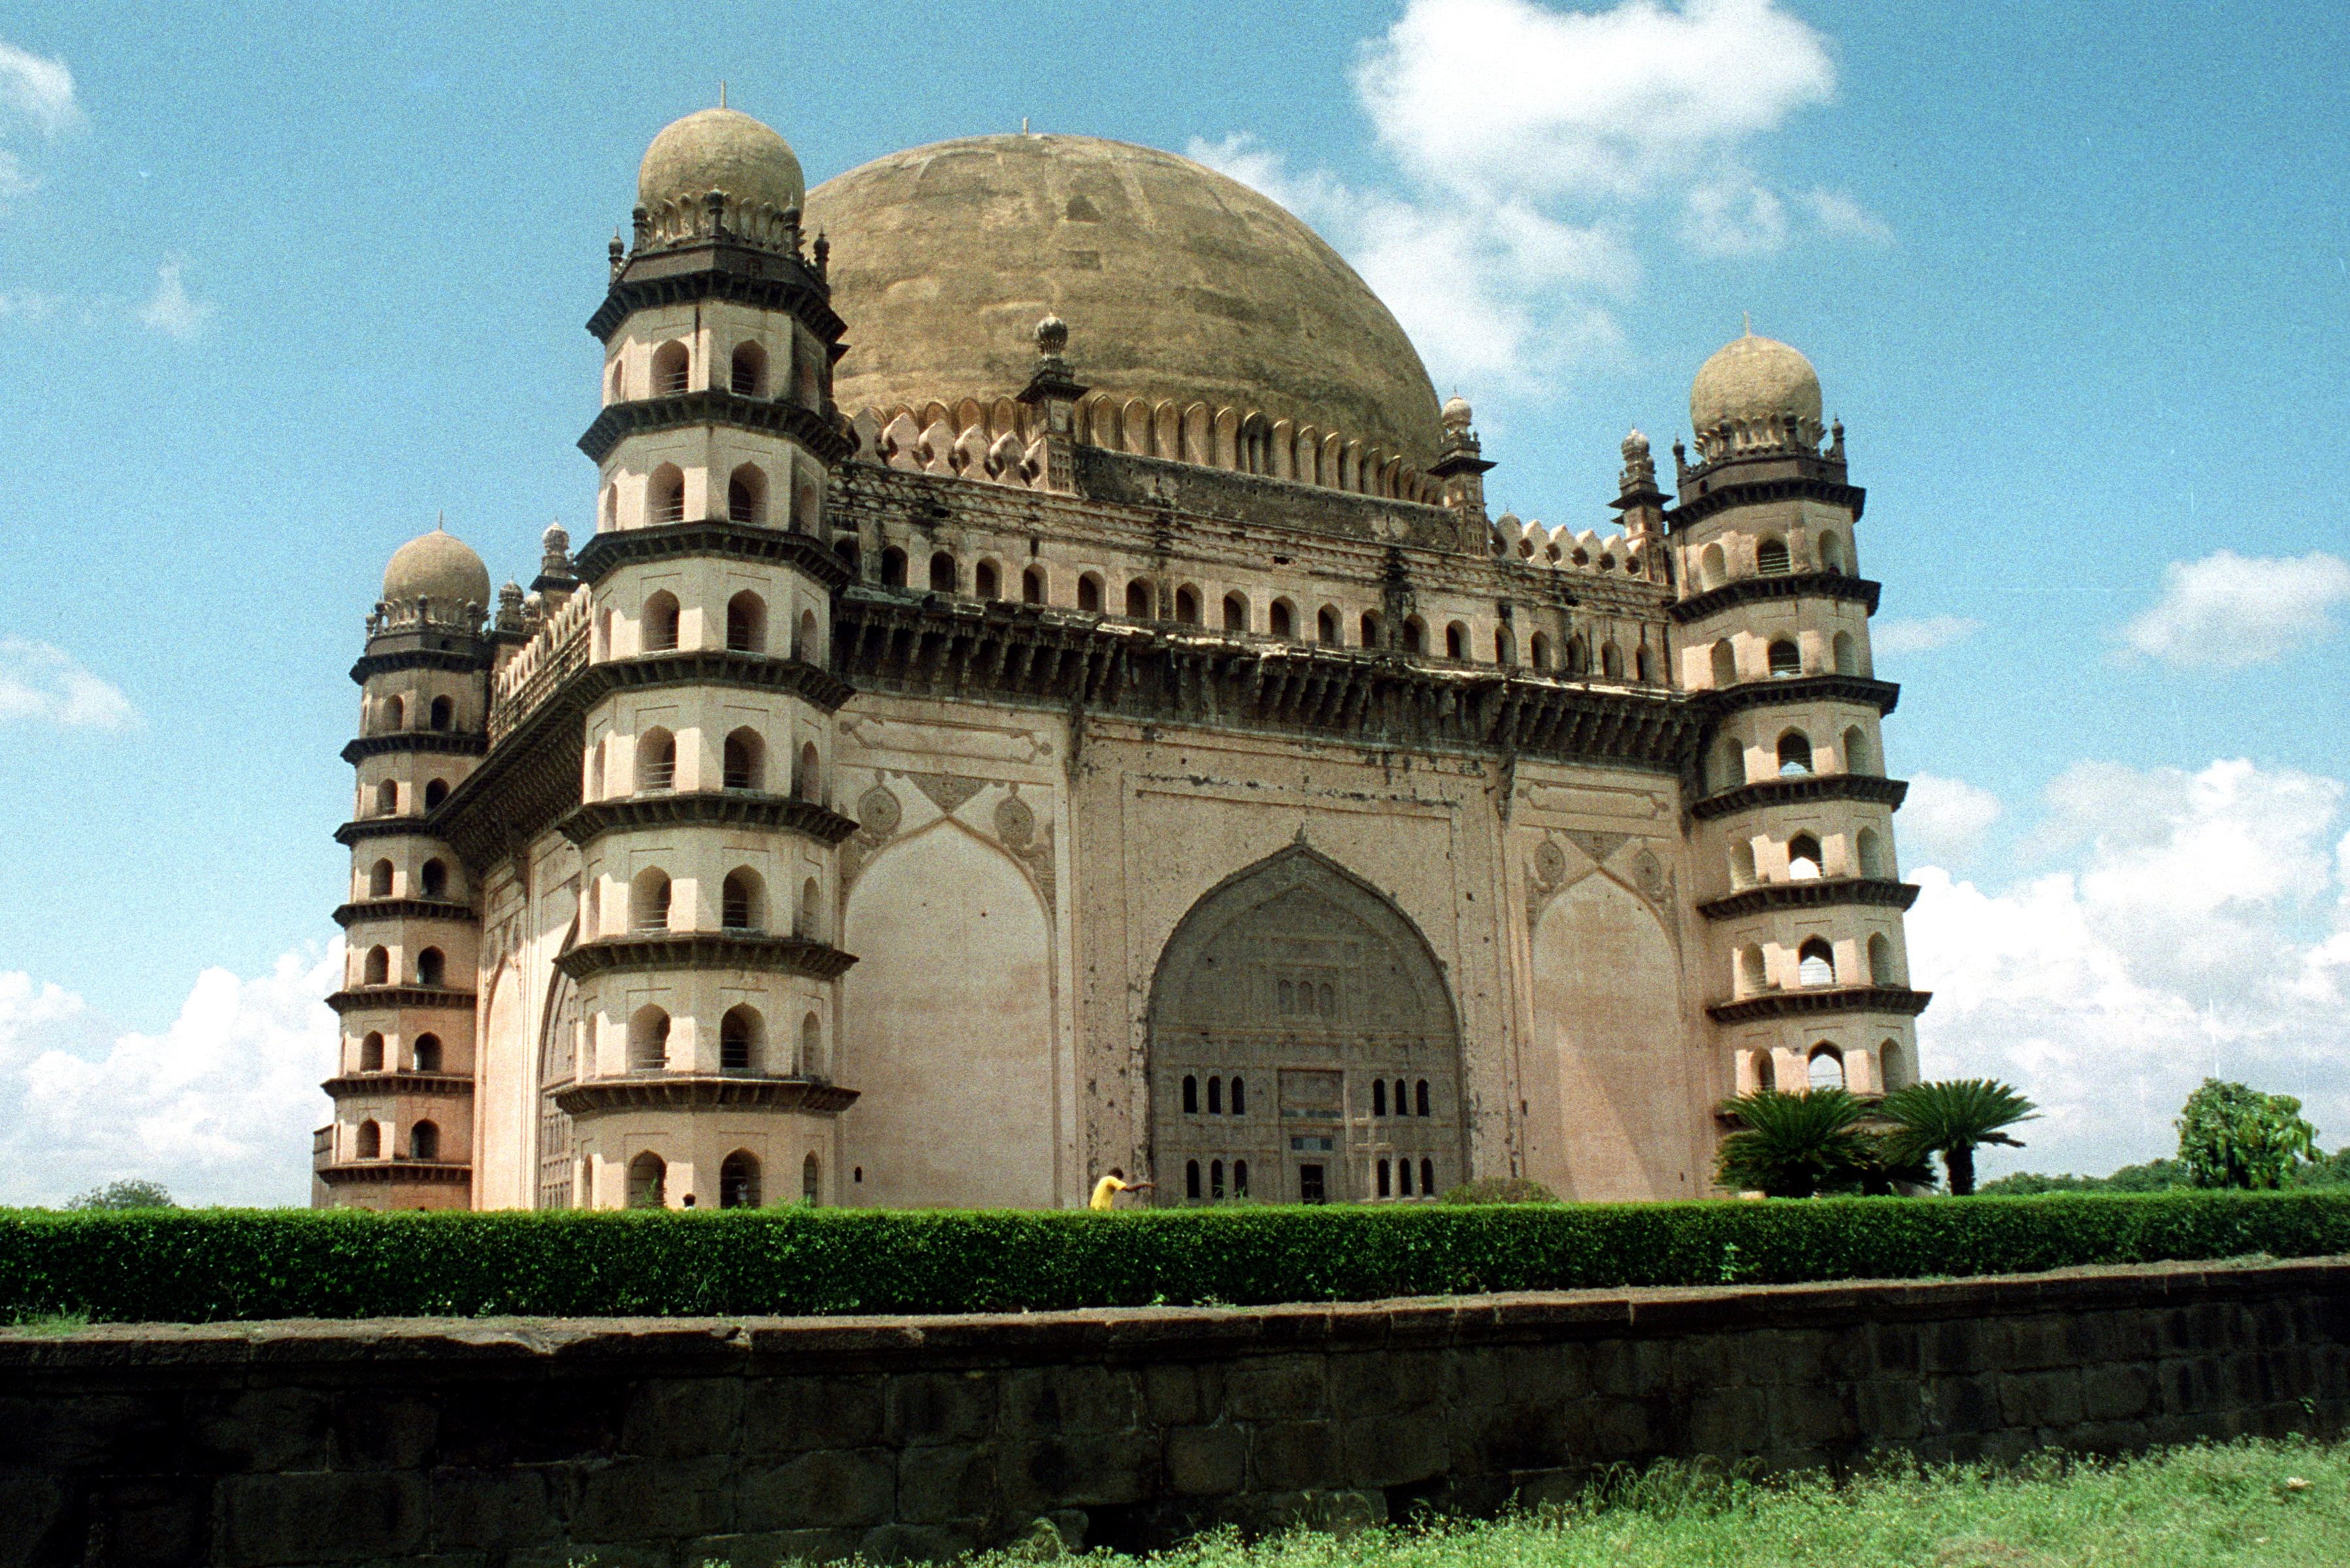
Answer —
41 682
2226 611
1838 215
39 88
218 1107
1538 147
1922 634
2192 934
170 310
1946 819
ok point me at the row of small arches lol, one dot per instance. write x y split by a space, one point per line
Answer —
424 1142
391 715
742 766
1772 558
1284 618
1808 860
1215 1100
385 800
1410 1099
431 971
1816 965
1794 756
748 488
742 1045
651 905
660 621
1824 1068
424 1053
1784 659
670 374
741 1182
1401 1186
1214 1190
433 879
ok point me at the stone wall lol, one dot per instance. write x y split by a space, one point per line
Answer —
507 1443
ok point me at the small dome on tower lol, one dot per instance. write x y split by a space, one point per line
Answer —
1751 379
439 566
1456 413
720 149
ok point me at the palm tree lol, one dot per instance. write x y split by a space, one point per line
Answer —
1951 1118
1791 1145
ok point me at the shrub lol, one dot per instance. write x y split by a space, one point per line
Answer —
213 1264
129 1193
1501 1189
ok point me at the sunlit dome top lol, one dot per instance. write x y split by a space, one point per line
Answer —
1752 379
439 566
720 149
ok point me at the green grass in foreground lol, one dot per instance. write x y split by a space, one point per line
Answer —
2242 1505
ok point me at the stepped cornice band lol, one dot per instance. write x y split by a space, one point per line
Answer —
399 1083
351 832
704 1091
379 997
351 914
603 554
377 1172
712 405
1826 483
1819 893
716 269
706 808
451 659
1782 690
1786 585
658 951
1867 788
449 742
1827 999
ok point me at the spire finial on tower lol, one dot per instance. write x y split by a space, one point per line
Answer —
722 92
441 521
1748 317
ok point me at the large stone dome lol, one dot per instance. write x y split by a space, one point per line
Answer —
1755 379
720 149
1176 282
437 567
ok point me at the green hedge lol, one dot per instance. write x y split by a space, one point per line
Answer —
200 1266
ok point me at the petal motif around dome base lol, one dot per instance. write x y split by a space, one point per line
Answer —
438 567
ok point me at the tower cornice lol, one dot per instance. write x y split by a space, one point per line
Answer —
449 742
1897 999
1782 691
706 808
1786 586
372 998
704 1091
464 662
656 952
1866 788
1820 893
607 552
690 275
351 914
1825 483
714 406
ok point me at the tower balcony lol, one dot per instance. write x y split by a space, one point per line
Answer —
1814 1001
1804 789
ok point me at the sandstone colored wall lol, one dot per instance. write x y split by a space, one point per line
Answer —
518 1444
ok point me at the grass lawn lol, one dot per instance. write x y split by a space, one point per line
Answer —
2242 1505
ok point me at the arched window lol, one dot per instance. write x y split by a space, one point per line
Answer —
1541 651
1456 641
380 880
660 622
986 581
1137 598
1379 1097
805 782
1325 627
1281 620
1846 653
1414 635
591 915
1190 1094
1771 558
1871 854
811 1181
370 1141
1236 613
1403 1099
1239 1179
371 1052
1403 1179
648 1040
387 798
1578 656
739 1032
377 969
1751 975
1827 1067
750 378
1419 1098
1816 963
1427 1178
1741 864
1089 593
746 623
427 1051
656 761
671 367
746 494
738 1181
1892 1066
648 1181
607 507
744 758
649 896
808 922
743 901
1725 663
1192 1179
1387 1179
1794 755
443 713
1239 1097
1761 1076
435 792
431 969
1371 628
1644 665
1803 860
395 713
1882 970
1187 605
1831 554
945 575
1728 769
1713 567
1505 646
665 494
1215 1181
1215 1097
424 1141
1857 757
1611 661
808 647
1033 587
435 879
811 1061
893 567
1786 658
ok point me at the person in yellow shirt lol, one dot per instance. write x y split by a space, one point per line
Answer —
1107 1189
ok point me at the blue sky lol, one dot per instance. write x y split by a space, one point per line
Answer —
277 286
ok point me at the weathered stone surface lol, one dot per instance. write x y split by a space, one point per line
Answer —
830 1488
305 1519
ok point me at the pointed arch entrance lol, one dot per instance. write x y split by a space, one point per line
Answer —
1303 1045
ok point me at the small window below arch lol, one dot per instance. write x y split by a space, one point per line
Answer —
808 922
1427 1178
435 879
811 1181
1870 846
665 494
1192 1179
1803 860
1032 586
1816 963
738 1040
1456 641
1239 1179
1190 1094
1761 1076
1414 635
738 1181
435 792
660 622
444 714
387 799
747 496
1794 755
376 968
1372 629
893 567
424 1141
1771 558
1379 1097
746 623
648 900
807 784
1858 758
1505 646
1281 620
395 713
371 1052
1386 1180
1403 1179
380 880
1847 654
1236 613
1611 661
370 1141
1724 662
1741 864
1541 651
986 581
811 1061
945 577
1644 665
656 761
1187 605
1713 567
1832 556
1419 1099
648 1040
741 901
671 365
1325 627
1138 599
1827 1067
750 371
427 1051
648 1181
1882 968
431 969
1786 658
1892 1066
1089 593
1239 1097
743 760
1751 976
1215 1097
1215 1181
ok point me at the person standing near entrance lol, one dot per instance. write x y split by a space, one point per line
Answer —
1107 1189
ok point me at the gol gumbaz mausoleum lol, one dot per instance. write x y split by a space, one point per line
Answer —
1044 693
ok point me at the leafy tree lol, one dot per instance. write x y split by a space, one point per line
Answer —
2325 1170
129 1193
1793 1145
2230 1135
1501 1189
1953 1118
2154 1176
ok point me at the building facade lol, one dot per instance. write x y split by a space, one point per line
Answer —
1044 693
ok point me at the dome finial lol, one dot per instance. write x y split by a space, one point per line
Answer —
441 521
1748 317
722 92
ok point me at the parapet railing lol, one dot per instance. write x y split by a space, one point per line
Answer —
558 651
